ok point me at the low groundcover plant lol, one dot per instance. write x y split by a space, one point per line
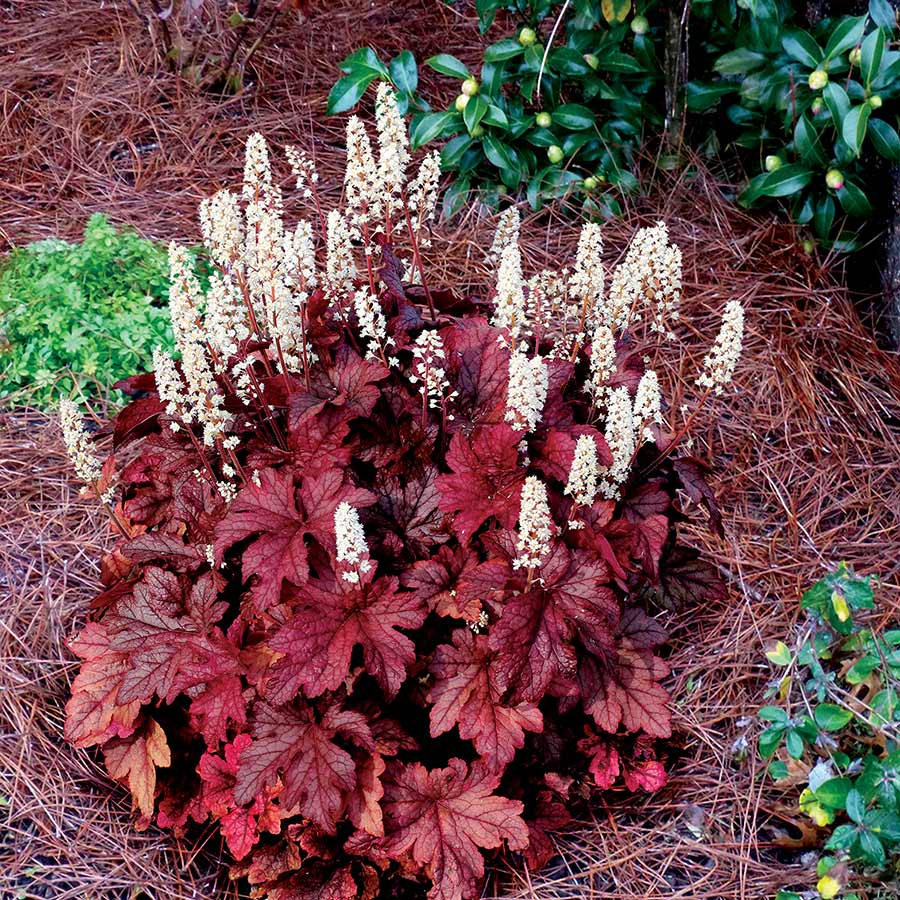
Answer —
378 603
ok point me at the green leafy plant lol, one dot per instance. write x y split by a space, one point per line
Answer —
81 316
834 717
810 103
551 112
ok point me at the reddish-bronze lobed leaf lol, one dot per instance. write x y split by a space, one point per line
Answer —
479 371
466 693
291 742
332 619
442 816
486 481
134 760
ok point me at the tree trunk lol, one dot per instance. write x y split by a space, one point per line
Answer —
676 69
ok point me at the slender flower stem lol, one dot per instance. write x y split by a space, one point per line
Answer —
418 261
681 433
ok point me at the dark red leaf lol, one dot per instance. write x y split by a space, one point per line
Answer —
692 474
466 693
687 580
442 816
486 481
479 370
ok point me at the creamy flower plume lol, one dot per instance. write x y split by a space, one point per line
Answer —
526 392
300 256
429 369
393 143
362 183
535 525
582 485
171 389
620 437
719 364
352 549
304 170
507 233
602 362
647 403
222 228
340 270
185 296
206 400
545 308
647 276
586 281
509 304
423 190
257 170
79 448
372 325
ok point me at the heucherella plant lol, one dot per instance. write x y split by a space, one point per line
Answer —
382 602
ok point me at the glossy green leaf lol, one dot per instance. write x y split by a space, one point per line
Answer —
364 61
884 139
501 155
569 62
855 805
846 34
824 217
702 97
854 201
872 850
801 46
739 61
446 64
883 14
476 109
496 117
347 92
404 72
833 793
503 50
837 101
773 714
430 126
455 197
853 128
453 151
795 744
573 116
872 54
782 182
806 140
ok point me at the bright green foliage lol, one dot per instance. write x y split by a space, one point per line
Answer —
835 709
818 99
86 314
600 82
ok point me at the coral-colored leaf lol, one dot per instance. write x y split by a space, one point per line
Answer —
332 619
466 693
605 766
167 628
364 807
486 481
220 705
317 773
268 511
437 582
94 713
134 760
625 690
442 816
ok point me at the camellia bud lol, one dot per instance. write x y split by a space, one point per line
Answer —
808 247
470 87
462 101
855 56
875 101
477 131
817 106
818 78
773 162
834 178
592 60
590 183
527 37
555 153
640 25
543 119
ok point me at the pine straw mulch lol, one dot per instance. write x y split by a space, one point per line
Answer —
806 453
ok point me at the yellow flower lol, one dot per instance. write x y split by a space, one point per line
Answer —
828 887
841 609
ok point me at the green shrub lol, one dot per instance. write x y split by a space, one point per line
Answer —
805 105
81 316
564 123
833 719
